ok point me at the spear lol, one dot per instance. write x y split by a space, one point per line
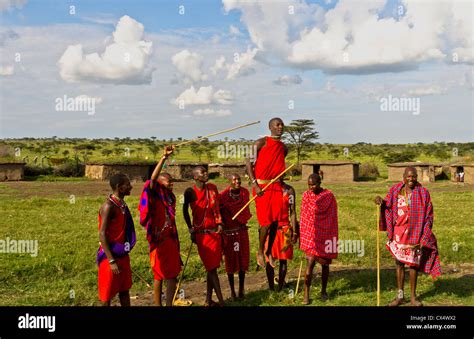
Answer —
253 198
378 256
216 133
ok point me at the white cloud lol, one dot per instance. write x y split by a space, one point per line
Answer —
9 4
233 30
219 65
6 70
428 90
204 96
125 60
189 65
223 97
212 112
357 39
243 65
286 80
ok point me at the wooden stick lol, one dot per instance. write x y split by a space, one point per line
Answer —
182 273
299 277
378 256
253 198
213 134
142 279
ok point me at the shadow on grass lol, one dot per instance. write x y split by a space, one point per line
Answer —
461 287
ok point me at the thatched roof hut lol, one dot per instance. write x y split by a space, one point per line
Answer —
12 171
427 172
467 170
333 170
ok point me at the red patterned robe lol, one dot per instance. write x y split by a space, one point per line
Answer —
236 236
319 224
417 227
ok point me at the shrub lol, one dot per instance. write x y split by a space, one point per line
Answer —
368 170
70 169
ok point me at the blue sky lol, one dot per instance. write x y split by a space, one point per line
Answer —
148 70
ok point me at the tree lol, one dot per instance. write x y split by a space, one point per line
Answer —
197 150
106 152
300 135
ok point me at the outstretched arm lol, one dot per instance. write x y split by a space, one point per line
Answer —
166 153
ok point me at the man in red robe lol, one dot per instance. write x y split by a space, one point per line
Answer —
236 236
407 215
205 228
157 213
269 163
286 235
117 238
318 228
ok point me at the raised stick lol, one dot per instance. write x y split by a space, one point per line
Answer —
213 134
253 198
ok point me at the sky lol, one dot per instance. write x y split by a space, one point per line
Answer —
365 71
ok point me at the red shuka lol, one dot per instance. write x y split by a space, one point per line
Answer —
269 164
206 216
236 237
110 284
319 224
282 248
163 236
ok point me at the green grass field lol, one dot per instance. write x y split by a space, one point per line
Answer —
68 239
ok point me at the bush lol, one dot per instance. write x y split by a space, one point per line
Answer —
368 170
70 169
34 171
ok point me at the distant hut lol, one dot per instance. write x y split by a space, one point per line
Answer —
462 172
427 172
333 170
103 171
183 170
224 170
12 171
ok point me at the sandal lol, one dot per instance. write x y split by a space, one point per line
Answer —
397 302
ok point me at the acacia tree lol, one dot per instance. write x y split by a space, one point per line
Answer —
300 135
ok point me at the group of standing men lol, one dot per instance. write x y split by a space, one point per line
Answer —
217 229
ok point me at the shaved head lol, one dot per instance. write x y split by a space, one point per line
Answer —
199 170
272 120
409 169
314 178
233 176
165 176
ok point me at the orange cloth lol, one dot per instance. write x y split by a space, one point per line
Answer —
269 164
206 216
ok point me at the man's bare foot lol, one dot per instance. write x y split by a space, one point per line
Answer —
415 302
241 296
397 302
233 297
305 301
260 260
324 296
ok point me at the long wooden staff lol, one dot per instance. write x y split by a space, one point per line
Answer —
299 277
182 273
213 134
142 279
253 198
378 255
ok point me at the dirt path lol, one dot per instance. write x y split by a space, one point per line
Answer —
254 281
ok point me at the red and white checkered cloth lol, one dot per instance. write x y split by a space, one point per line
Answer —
319 224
